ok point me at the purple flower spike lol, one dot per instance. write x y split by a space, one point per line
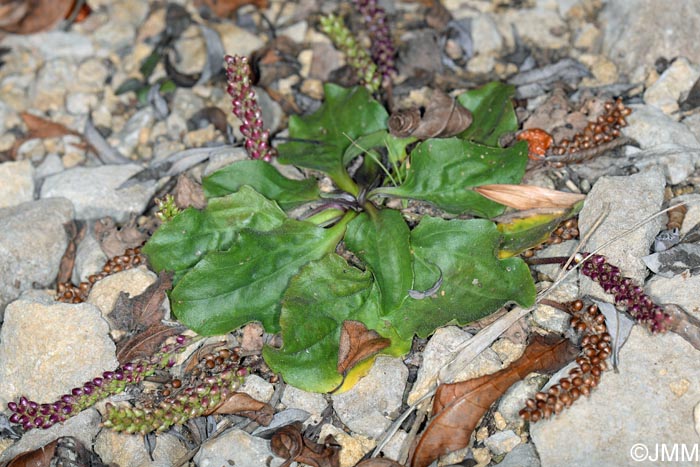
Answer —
23 402
14 418
247 109
67 399
77 392
118 375
128 367
12 406
97 382
67 409
180 339
108 375
382 48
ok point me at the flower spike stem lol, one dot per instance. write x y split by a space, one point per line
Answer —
246 108
382 48
31 414
355 55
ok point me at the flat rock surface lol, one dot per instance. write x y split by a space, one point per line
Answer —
625 201
658 375
48 348
32 242
95 191
236 447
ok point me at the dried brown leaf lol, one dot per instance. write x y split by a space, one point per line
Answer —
189 193
523 197
75 235
458 407
443 117
142 311
224 8
145 343
30 16
40 457
39 128
289 443
357 343
240 403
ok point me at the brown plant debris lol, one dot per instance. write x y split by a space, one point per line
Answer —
443 117
290 444
358 343
458 407
30 16
524 197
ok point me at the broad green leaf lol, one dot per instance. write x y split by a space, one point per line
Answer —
226 290
493 113
180 243
319 298
442 172
345 115
381 241
265 179
474 282
527 229
364 143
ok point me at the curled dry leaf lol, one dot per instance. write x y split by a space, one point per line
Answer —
357 343
114 240
75 235
523 197
64 451
30 16
443 117
40 128
458 407
289 443
240 403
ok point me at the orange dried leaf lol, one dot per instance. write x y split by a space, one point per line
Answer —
30 16
357 343
458 407
523 197
224 8
538 142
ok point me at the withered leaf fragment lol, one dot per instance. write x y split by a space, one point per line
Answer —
289 443
378 462
523 197
458 407
357 343
443 117
30 16
224 8
75 234
242 404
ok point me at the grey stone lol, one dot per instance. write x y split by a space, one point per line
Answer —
312 403
443 346
667 32
47 348
81 103
54 44
95 194
32 242
668 263
83 426
536 26
237 41
485 35
514 398
553 319
124 449
16 183
52 82
219 160
502 442
50 165
89 258
522 455
560 249
369 406
649 402
673 84
236 447
186 103
681 290
693 124
257 388
113 35
271 110
628 200
127 138
664 142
